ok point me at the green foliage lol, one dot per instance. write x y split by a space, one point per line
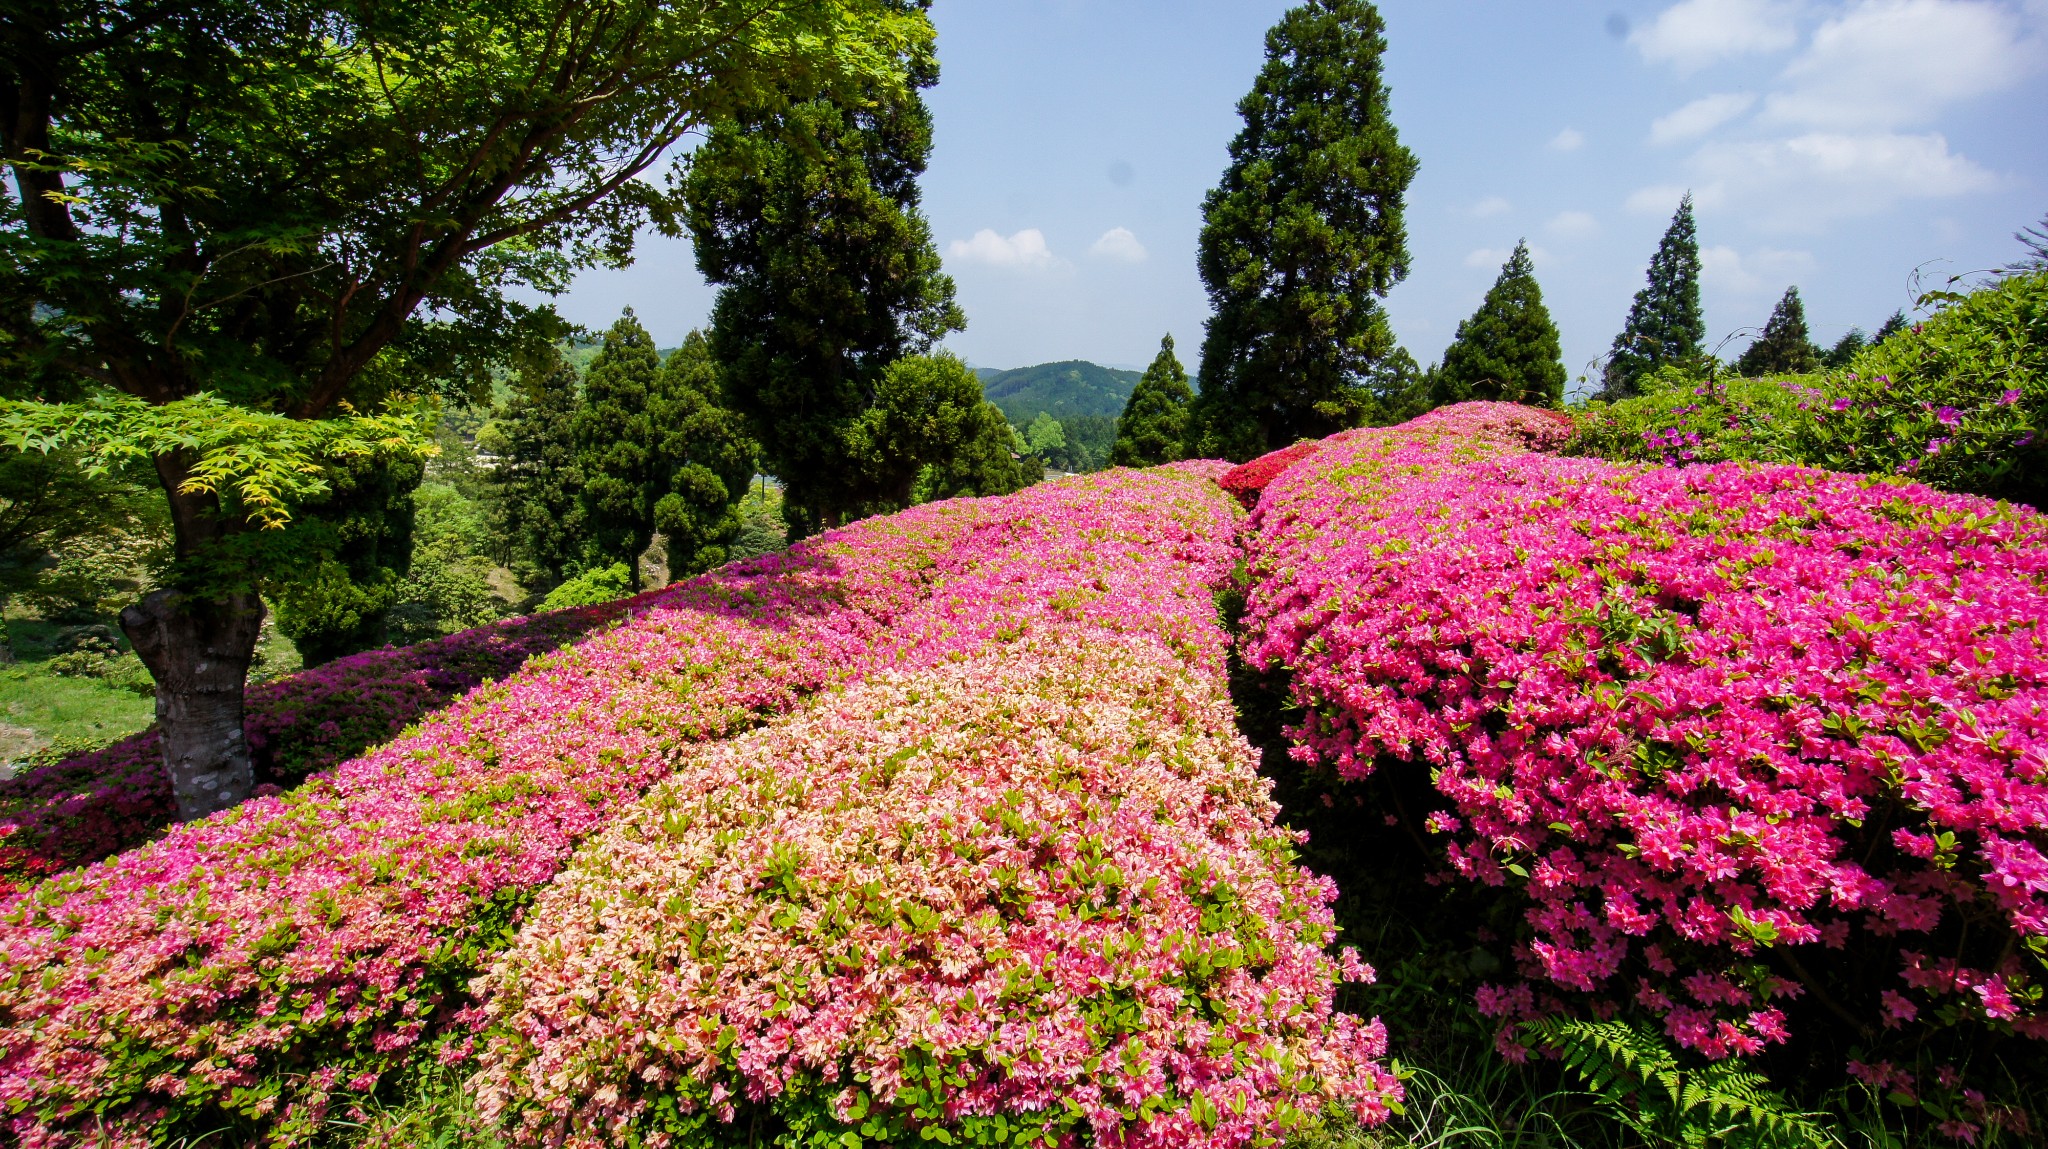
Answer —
1509 349
1784 347
355 545
1959 402
928 412
1680 417
762 530
1063 390
449 586
1301 240
707 456
536 479
1665 324
591 588
2034 240
809 220
1642 1084
616 448
1846 349
1154 426
1045 434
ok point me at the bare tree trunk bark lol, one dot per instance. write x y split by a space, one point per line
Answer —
199 651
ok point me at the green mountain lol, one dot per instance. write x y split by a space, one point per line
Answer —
1063 390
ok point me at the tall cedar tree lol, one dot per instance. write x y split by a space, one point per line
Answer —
1154 426
809 221
1301 240
616 449
2034 241
1509 349
1846 349
537 516
1665 323
706 457
1890 327
1785 347
250 229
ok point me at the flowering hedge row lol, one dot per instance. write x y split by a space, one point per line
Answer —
1035 897
85 807
1720 726
251 970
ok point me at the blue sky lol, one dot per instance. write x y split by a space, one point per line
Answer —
1833 144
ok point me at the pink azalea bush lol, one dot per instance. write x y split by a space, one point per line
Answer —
82 808
1735 734
1034 897
254 969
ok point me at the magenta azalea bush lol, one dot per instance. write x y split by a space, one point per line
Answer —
1739 736
254 970
81 809
1035 897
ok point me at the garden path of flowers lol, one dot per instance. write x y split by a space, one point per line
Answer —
941 825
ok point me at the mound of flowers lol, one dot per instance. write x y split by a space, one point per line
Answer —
248 971
81 809
1033 897
1740 736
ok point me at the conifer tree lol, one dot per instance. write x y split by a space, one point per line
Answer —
809 220
1665 323
1785 347
1509 349
1845 349
1154 426
1302 238
1890 327
537 514
615 447
704 461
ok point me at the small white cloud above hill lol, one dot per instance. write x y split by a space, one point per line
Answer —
1024 249
1119 244
1899 63
1491 206
1568 140
1691 34
1765 271
1572 225
1700 117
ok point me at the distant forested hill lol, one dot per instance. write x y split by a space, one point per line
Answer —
1063 390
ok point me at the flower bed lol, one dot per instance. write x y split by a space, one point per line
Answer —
246 971
1738 735
85 807
1034 897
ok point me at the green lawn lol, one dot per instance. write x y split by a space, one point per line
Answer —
38 708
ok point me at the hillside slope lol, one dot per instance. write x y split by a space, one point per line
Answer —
1063 390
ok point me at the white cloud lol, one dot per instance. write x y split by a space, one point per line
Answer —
1700 117
1658 199
1808 181
1026 248
1119 244
1572 225
1490 206
1691 34
1568 140
1494 258
1766 271
1898 63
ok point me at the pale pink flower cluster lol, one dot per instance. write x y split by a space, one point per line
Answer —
1694 715
251 969
1034 897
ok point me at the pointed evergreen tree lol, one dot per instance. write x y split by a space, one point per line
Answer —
1302 238
809 221
1785 347
1665 323
1845 349
704 461
1154 426
536 513
2034 240
1509 349
1890 327
615 447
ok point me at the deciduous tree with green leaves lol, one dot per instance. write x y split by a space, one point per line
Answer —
249 230
1303 238
1665 324
808 219
1785 347
1154 426
1508 350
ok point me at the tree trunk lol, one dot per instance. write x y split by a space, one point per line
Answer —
199 651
